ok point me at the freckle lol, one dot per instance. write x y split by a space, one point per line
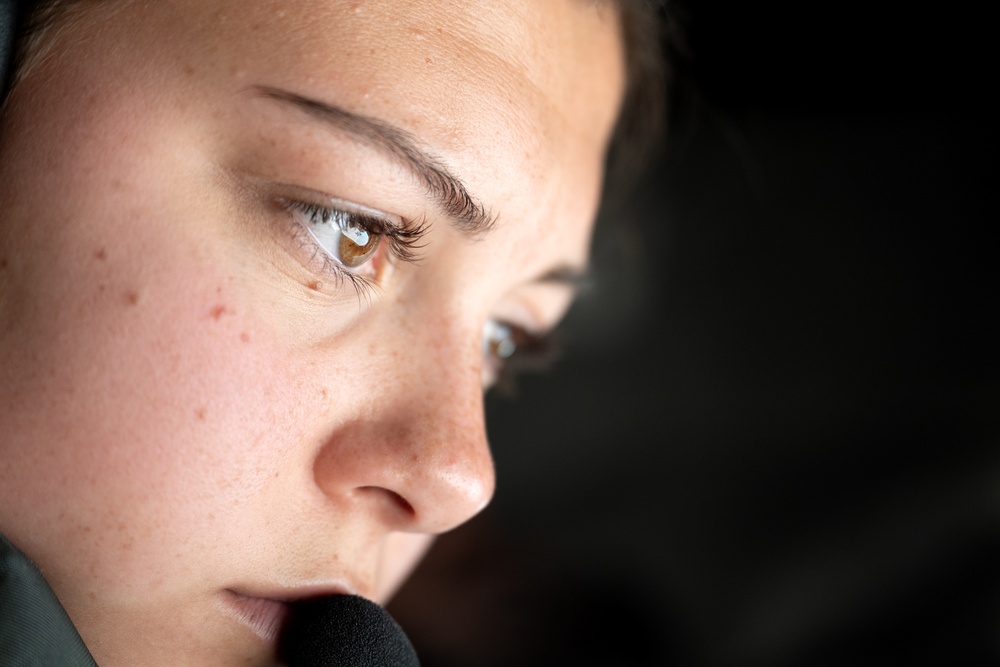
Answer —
131 298
189 70
324 393
101 254
428 61
101 288
315 285
3 263
245 337
127 546
116 184
200 413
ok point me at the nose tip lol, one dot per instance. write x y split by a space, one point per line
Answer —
418 468
454 489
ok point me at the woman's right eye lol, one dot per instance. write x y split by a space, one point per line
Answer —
348 241
349 238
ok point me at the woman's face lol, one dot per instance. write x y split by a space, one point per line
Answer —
212 399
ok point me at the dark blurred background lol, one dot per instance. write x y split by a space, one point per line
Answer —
774 438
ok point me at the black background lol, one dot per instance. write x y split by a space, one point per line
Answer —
774 438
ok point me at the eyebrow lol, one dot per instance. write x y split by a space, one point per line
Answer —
467 213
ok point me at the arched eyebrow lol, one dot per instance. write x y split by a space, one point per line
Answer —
467 213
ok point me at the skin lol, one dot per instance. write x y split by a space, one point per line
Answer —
192 403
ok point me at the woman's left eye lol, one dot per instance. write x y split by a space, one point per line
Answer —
509 350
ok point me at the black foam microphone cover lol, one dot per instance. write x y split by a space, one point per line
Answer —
344 631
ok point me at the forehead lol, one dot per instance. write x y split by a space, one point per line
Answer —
517 97
530 56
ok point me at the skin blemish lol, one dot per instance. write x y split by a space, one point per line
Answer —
218 311
200 414
245 337
101 255
132 298
315 285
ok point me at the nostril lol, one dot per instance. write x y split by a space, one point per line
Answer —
394 503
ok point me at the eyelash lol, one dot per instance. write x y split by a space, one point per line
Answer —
404 240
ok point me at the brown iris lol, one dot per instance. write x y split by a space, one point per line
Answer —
357 246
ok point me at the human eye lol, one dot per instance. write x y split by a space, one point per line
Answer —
349 241
510 350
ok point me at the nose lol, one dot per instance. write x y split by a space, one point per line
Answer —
414 452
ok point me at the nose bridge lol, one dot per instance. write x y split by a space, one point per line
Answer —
424 443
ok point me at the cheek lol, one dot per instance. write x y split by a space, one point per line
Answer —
154 403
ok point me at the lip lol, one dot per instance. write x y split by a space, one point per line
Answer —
264 613
263 616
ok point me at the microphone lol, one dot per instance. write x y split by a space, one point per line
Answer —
344 631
